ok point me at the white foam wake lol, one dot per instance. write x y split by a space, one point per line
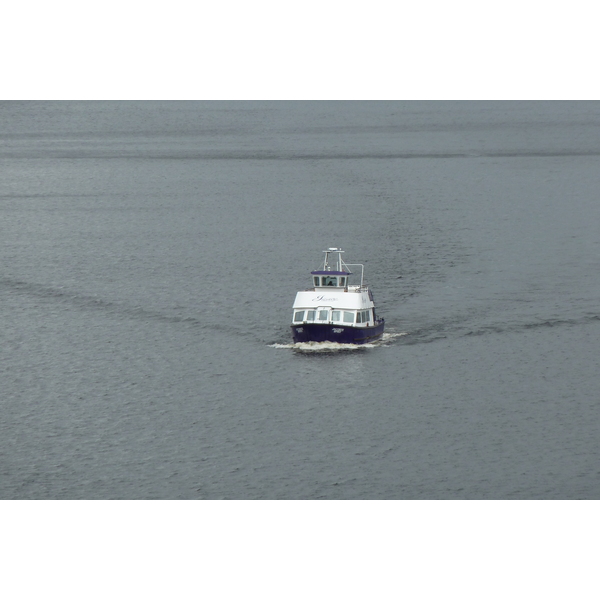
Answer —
322 346
386 337
336 346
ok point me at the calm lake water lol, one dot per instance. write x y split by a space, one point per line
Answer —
151 252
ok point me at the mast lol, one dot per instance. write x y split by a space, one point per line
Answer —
340 262
341 265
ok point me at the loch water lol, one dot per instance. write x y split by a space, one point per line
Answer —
151 251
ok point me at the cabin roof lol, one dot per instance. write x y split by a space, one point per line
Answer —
330 273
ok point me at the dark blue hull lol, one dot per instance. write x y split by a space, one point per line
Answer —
313 332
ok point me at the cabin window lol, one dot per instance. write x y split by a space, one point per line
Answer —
323 315
329 281
299 316
362 316
336 315
316 280
342 281
348 317
310 315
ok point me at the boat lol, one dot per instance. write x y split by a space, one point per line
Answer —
337 307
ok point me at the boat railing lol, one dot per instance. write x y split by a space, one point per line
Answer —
355 289
358 288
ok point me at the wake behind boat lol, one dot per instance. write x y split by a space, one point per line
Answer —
335 310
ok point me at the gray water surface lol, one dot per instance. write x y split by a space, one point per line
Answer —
151 252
